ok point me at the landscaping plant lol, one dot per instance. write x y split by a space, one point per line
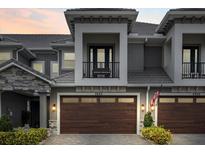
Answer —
20 136
158 135
5 124
148 120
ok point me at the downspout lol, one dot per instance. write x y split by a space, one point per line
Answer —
147 98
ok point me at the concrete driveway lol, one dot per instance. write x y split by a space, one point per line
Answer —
188 139
95 139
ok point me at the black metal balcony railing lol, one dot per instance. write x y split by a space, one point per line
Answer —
101 70
193 70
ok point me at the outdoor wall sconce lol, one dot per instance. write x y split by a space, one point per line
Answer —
142 107
54 107
152 108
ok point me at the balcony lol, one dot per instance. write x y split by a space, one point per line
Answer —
101 70
193 70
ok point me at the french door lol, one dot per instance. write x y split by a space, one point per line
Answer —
191 58
101 56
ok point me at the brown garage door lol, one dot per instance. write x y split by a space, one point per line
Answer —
90 115
182 114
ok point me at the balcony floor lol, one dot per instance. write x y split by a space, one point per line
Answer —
149 76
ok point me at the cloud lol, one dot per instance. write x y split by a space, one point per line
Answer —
154 15
33 21
52 21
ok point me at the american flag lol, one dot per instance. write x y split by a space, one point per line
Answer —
154 98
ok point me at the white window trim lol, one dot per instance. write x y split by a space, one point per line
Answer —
51 62
42 62
62 58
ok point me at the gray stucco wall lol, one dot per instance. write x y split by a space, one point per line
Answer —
46 56
135 57
14 103
153 56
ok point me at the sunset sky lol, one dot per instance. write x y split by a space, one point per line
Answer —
52 21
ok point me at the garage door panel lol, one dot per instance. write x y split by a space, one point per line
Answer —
182 117
98 117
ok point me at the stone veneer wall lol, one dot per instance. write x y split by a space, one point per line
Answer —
15 78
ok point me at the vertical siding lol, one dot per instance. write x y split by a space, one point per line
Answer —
46 56
135 57
153 56
23 59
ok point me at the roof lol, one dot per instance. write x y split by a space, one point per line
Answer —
32 41
181 15
144 28
13 62
101 9
188 9
100 15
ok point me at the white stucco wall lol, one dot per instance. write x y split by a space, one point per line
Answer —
81 29
177 44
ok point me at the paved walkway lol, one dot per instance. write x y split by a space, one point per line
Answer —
189 139
96 139
119 139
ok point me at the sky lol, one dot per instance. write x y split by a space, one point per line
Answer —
52 21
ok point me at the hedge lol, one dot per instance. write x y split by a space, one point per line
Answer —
158 135
32 136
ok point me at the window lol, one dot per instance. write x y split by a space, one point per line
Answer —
68 60
4 56
70 100
38 66
167 100
54 69
88 100
185 100
126 100
107 100
200 100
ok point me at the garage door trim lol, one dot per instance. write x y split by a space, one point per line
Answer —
103 94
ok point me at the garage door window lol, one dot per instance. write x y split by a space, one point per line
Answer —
126 100
71 100
107 100
167 100
88 100
185 100
200 100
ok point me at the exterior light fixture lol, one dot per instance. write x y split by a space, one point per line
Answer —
54 107
152 108
142 107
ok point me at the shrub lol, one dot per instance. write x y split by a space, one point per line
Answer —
158 135
5 124
148 120
22 137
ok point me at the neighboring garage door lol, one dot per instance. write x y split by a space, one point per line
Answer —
182 114
98 115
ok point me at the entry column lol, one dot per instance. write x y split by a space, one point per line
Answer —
43 110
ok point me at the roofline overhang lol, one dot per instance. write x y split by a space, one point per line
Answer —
27 70
71 14
173 14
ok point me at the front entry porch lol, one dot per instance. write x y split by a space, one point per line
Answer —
23 90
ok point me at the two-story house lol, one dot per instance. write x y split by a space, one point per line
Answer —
102 77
